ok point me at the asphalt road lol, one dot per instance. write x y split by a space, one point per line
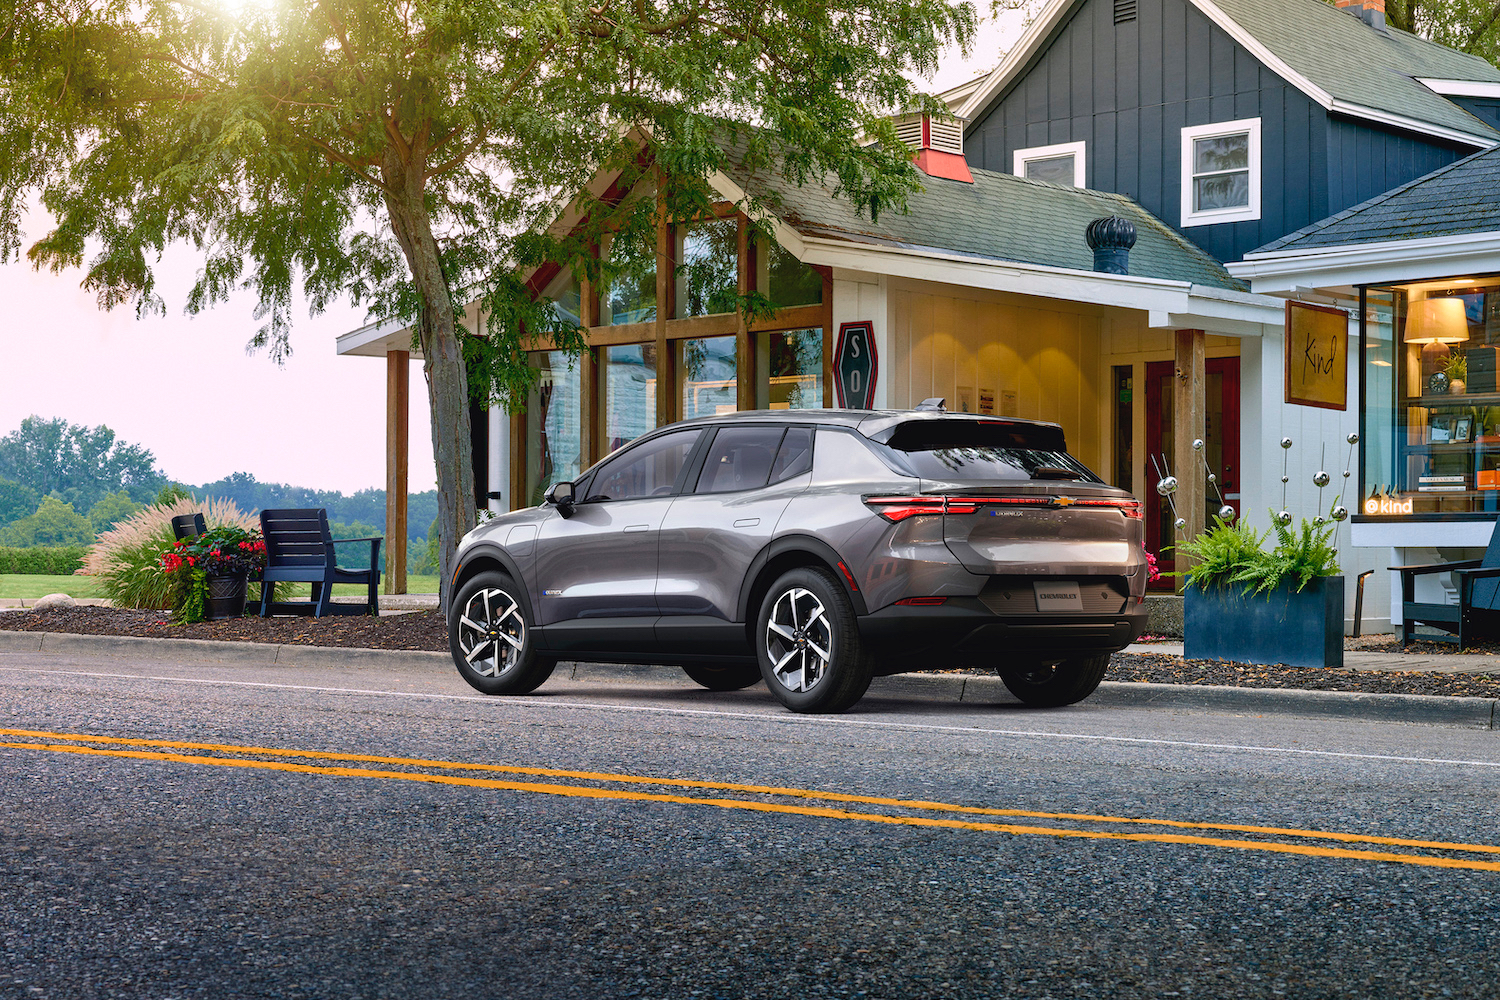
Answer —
175 830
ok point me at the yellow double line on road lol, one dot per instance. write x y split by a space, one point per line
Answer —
247 757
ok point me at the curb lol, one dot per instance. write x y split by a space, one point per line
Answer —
1432 710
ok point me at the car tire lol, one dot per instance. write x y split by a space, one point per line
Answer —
729 678
491 638
1052 686
808 643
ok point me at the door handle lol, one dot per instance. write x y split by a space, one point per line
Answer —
637 527
747 522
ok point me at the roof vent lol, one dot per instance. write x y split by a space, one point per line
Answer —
1125 10
1111 239
939 142
1372 12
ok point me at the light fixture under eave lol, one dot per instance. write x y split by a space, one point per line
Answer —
1437 321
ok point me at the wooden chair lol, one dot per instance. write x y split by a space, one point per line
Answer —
299 549
1477 612
188 526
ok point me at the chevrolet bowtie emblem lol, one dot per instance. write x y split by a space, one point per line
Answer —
1063 501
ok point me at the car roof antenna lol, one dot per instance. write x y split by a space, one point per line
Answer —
933 403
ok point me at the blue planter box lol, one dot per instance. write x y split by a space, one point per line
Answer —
1299 629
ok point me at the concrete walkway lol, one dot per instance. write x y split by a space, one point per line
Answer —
1358 659
388 602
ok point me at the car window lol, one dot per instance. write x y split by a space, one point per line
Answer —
795 456
739 459
983 450
649 469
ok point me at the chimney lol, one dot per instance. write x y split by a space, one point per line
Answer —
1372 12
1111 239
940 145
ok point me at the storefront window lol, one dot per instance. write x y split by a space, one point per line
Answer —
709 377
632 293
1431 440
796 372
629 393
554 444
708 272
785 280
566 301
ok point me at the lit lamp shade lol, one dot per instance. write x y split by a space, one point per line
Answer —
1437 321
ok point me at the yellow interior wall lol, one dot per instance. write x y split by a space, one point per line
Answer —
1049 359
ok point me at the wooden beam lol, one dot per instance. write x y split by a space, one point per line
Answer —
666 375
590 399
397 459
744 345
1189 410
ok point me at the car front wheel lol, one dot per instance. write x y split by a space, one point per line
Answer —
1052 686
490 636
808 643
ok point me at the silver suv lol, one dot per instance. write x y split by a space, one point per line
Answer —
813 550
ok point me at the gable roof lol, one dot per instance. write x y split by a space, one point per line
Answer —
1442 203
1336 59
999 217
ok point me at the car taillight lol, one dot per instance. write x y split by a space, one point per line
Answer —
1130 507
921 602
899 508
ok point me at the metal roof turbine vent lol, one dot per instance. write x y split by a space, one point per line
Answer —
1111 239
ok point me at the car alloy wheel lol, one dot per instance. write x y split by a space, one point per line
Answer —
808 643
1052 686
489 636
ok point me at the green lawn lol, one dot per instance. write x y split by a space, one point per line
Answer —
28 586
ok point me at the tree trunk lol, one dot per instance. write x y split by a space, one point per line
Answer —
442 357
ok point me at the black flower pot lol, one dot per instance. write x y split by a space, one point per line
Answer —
1299 629
226 596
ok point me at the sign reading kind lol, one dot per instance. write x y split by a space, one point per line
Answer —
1387 505
855 366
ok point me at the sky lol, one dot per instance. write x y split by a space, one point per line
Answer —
184 386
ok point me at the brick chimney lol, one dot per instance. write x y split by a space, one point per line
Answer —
1372 12
939 143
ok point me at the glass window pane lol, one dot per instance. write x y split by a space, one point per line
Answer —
566 300
795 456
739 459
710 377
1052 169
629 393
1221 191
554 446
796 371
789 282
707 273
632 295
1221 152
648 470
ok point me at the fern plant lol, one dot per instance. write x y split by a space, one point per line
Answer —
1228 553
1299 557
1234 554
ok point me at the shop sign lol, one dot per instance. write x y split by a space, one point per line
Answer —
855 366
1317 356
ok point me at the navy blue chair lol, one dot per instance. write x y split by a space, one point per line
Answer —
299 549
1477 613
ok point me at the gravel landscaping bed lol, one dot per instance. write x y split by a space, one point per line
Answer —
426 630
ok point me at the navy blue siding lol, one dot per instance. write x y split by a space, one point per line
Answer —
1128 90
1486 109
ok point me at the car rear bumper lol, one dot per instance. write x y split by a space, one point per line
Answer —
965 632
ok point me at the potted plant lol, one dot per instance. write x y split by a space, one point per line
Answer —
1245 603
209 572
1457 370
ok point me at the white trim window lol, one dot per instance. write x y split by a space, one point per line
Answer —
1061 163
1221 172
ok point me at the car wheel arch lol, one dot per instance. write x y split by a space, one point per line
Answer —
791 552
484 557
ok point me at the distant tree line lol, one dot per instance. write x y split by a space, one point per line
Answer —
62 484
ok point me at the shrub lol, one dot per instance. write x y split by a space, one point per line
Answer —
54 523
39 560
1232 553
111 509
126 558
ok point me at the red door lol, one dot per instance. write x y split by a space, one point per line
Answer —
1221 450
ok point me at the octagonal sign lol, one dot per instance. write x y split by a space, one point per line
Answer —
855 366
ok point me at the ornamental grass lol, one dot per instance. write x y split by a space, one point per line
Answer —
126 559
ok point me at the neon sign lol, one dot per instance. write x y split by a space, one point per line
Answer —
1387 505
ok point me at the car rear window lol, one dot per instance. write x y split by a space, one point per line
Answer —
982 450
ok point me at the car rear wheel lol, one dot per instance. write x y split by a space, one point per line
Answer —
808 643
490 636
1051 686
730 678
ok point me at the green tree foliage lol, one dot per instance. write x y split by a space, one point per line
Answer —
80 464
16 501
171 493
365 506
410 154
113 507
54 523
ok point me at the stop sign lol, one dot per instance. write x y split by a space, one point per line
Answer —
855 366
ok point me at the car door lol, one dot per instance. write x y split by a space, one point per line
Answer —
715 530
596 569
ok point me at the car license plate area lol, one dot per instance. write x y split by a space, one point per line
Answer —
1057 595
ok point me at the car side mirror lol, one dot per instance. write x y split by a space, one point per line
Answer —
561 497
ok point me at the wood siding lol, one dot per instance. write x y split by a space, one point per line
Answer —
1128 90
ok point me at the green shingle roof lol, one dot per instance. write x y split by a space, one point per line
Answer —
1455 200
998 217
1353 62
